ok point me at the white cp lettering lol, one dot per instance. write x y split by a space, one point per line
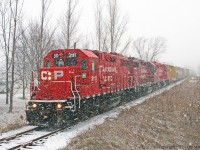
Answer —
58 74
44 75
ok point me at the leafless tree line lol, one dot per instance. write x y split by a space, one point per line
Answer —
25 44
10 16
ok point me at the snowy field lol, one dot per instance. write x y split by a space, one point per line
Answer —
61 140
17 117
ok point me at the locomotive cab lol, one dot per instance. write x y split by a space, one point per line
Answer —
66 71
160 76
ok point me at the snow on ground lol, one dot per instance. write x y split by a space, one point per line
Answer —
17 117
62 139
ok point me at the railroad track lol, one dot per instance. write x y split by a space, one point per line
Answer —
27 138
9 137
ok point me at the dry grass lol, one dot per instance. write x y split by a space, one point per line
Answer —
17 123
15 119
170 119
11 127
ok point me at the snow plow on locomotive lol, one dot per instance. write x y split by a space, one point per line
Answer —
76 83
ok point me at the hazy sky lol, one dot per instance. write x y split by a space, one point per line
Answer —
176 20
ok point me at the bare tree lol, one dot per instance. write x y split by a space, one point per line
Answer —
87 41
126 46
149 49
43 42
69 24
140 47
6 29
116 25
99 24
22 65
33 50
15 13
36 39
101 28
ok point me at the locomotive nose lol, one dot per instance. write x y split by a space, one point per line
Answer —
55 83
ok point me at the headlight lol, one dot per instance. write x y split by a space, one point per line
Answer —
49 78
59 106
34 105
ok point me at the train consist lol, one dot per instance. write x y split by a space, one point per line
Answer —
77 83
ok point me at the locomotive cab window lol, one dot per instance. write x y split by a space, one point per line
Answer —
71 62
93 65
59 62
83 64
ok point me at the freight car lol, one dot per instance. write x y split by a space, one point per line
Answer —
77 83
171 73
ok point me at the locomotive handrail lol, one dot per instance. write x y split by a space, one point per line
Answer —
33 84
73 94
79 97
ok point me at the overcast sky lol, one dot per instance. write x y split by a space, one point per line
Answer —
176 20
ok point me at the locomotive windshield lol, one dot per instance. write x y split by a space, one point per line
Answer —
59 62
71 62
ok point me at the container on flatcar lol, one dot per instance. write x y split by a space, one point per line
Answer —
171 73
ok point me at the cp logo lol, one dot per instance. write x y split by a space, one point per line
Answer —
46 75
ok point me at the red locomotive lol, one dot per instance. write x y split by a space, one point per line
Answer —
74 83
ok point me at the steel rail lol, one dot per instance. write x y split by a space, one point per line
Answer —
11 137
30 142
